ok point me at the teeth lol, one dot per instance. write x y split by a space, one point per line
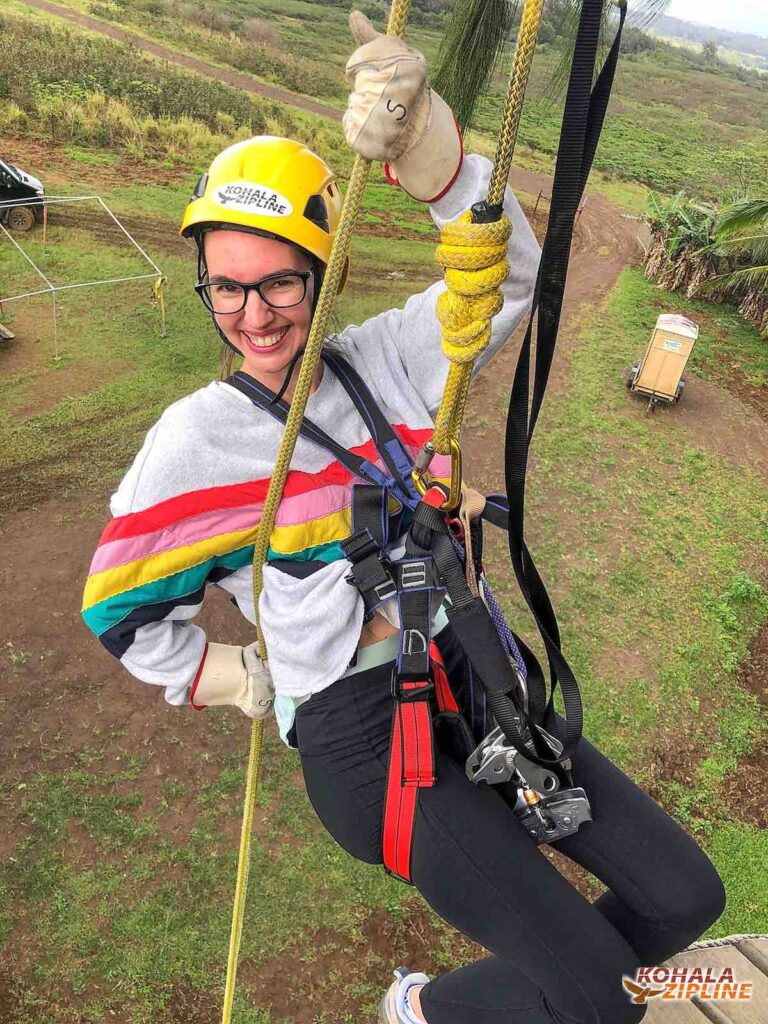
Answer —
266 340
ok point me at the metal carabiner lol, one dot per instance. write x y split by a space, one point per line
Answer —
421 467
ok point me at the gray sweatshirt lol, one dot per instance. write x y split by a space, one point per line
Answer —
186 512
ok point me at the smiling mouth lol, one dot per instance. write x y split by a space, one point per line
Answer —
266 342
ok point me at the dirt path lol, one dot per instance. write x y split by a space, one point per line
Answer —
604 243
196 64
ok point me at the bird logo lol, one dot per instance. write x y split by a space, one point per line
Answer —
640 993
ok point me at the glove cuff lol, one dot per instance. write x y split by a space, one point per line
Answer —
221 678
196 680
428 170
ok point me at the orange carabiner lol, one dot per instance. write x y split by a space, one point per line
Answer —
419 474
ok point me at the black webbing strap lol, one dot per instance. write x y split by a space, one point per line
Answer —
479 640
369 574
385 439
388 444
369 512
583 118
416 583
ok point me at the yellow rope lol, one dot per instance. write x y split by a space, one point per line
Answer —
243 864
333 275
473 254
160 300
518 80
474 257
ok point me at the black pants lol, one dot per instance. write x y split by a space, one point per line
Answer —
554 956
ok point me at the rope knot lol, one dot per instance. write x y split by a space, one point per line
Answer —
474 259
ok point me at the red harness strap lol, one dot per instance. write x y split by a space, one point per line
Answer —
411 761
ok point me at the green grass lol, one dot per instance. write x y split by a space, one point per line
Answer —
667 560
107 884
128 910
671 124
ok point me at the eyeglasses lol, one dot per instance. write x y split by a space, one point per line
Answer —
279 291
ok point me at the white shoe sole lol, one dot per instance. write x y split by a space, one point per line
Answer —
387 1008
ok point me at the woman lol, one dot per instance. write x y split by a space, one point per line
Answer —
185 516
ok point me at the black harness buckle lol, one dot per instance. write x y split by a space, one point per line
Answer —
421 689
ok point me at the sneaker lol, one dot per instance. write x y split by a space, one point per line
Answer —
392 1008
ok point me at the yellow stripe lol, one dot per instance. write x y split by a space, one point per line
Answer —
110 582
287 540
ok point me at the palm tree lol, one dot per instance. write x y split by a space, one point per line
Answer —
741 232
683 253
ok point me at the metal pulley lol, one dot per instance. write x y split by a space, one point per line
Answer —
546 811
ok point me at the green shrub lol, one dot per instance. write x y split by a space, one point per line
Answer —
40 61
13 120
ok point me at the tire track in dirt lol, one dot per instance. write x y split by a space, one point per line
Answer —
196 64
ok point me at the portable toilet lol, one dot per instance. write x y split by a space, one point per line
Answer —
659 375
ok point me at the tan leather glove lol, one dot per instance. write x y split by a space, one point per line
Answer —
394 116
235 676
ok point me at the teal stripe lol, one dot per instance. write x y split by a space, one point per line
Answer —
102 616
330 552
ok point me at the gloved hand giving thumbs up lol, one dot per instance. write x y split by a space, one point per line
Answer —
394 116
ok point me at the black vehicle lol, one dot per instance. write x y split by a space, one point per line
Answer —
16 184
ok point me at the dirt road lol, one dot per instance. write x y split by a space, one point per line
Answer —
196 64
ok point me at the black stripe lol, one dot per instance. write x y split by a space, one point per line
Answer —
118 638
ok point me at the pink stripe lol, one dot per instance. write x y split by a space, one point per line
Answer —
304 508
441 466
187 531
292 511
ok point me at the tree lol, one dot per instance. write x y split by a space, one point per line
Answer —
709 52
742 232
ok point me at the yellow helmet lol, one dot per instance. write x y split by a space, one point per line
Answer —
270 186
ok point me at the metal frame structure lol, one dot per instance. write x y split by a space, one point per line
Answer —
53 289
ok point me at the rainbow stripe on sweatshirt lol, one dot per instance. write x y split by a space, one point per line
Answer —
163 555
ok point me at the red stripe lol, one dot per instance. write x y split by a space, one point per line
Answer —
411 766
394 792
196 680
445 699
448 187
233 495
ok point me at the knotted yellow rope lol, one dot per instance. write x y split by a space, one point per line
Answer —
474 258
463 336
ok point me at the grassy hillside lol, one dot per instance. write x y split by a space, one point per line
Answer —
673 124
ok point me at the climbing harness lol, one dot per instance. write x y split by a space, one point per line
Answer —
524 754
385 504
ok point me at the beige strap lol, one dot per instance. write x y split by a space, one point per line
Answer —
472 505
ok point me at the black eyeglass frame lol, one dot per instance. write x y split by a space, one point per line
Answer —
202 286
